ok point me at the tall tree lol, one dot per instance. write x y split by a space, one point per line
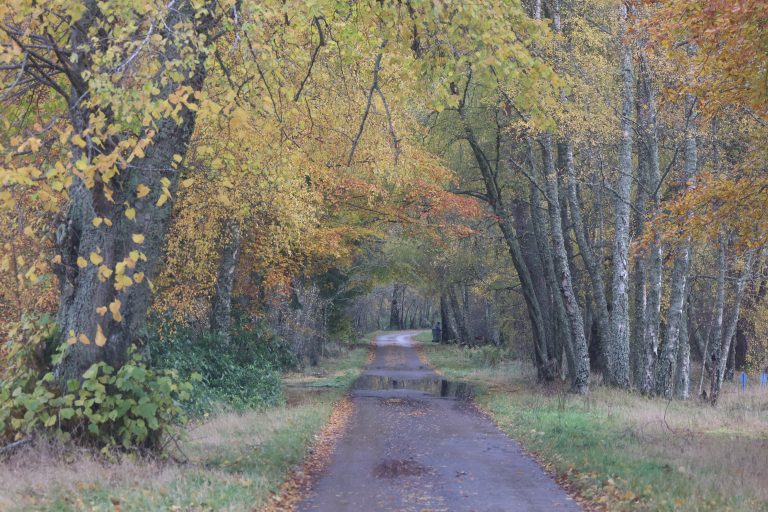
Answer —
618 348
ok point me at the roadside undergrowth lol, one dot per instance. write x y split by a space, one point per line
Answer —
234 461
620 450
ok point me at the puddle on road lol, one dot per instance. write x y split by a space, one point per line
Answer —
391 468
431 385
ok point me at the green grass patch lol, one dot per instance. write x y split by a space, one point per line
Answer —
425 337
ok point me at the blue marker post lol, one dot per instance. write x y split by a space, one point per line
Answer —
763 379
743 381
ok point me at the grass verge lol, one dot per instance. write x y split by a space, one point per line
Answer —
620 450
235 460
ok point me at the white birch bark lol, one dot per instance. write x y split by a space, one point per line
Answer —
580 379
618 349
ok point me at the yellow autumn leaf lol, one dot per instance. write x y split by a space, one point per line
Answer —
34 144
78 141
161 200
97 221
82 262
100 340
96 258
122 281
142 190
84 339
138 238
104 272
114 308
102 310
130 213
138 277
188 182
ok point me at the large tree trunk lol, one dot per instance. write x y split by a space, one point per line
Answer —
618 349
649 151
538 258
447 334
221 306
580 378
459 322
395 319
81 289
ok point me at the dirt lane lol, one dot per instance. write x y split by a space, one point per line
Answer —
412 445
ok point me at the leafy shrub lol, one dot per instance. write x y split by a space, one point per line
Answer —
133 407
240 374
489 355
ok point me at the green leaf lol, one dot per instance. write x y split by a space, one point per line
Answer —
145 410
66 413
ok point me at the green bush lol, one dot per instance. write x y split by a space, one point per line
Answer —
133 407
243 373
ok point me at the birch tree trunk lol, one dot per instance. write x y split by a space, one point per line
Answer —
649 151
675 317
667 361
730 331
717 327
618 349
580 377
640 278
683 372
557 326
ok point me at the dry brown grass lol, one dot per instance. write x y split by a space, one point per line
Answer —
722 448
36 471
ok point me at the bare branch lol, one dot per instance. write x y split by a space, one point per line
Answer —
374 86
